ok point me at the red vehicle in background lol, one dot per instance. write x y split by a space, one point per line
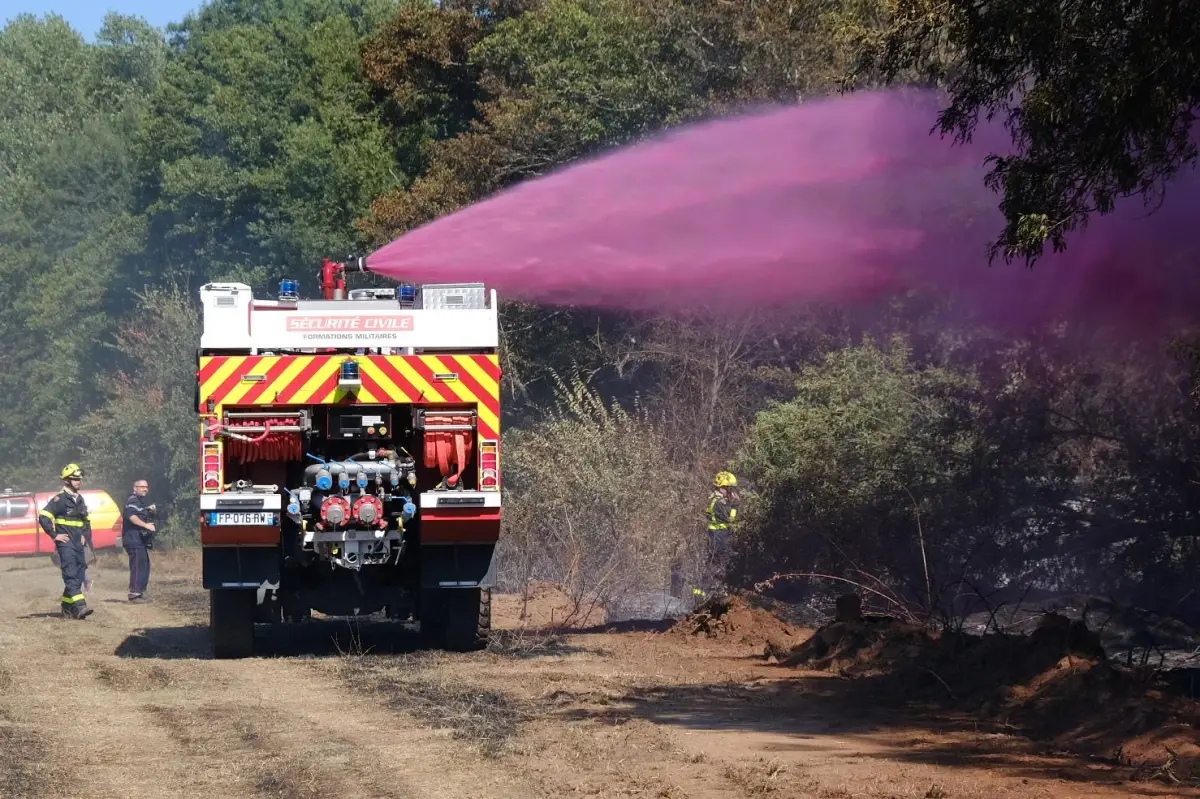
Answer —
21 535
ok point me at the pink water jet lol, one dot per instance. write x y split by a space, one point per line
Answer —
834 201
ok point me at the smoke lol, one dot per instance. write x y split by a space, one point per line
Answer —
838 200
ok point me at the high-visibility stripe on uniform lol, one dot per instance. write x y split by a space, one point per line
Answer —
713 524
249 380
63 522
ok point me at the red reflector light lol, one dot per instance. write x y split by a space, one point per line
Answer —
210 468
489 466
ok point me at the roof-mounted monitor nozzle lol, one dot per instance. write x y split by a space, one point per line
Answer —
333 275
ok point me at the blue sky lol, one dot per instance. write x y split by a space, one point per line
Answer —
86 15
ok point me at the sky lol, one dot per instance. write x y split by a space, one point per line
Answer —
87 15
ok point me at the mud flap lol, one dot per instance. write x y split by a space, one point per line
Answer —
240 567
455 565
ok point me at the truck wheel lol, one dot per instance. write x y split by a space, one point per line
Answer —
231 622
468 618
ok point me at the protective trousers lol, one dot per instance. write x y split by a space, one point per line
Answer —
73 558
719 541
139 570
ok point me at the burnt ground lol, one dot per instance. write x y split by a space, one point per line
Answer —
129 703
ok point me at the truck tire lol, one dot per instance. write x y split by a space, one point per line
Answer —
468 619
231 622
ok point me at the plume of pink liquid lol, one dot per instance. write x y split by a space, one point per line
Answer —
832 201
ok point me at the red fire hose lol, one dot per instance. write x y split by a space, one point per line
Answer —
449 451
266 446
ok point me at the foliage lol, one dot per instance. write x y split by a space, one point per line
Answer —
859 468
562 80
264 144
983 464
148 428
67 233
594 502
1099 98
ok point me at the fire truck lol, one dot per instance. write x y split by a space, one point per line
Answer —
349 456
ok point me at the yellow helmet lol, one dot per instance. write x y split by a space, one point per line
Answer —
72 470
724 479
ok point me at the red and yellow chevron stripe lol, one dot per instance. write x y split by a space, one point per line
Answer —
313 380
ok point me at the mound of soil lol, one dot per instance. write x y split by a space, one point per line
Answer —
736 619
1055 684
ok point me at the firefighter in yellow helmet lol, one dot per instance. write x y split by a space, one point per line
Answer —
722 515
65 520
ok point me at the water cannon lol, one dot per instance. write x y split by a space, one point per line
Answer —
333 275
333 284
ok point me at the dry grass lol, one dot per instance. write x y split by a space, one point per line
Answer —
541 713
485 719
183 562
523 642
30 767
133 676
289 776
244 739
759 778
14 564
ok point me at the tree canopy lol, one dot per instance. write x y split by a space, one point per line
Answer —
1100 98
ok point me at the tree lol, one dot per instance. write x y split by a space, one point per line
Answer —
861 470
265 143
557 82
147 426
1099 99
67 237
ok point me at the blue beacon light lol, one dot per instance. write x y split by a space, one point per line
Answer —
406 295
289 290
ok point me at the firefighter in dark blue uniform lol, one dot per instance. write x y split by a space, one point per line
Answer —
65 520
137 536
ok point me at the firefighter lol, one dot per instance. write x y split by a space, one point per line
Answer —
65 520
722 515
137 536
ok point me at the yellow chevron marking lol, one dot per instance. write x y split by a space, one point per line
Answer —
305 395
430 393
452 386
242 388
434 392
284 380
221 375
392 392
483 378
487 384
464 393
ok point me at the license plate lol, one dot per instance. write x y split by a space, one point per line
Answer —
241 518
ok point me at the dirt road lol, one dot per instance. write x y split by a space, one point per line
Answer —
129 704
